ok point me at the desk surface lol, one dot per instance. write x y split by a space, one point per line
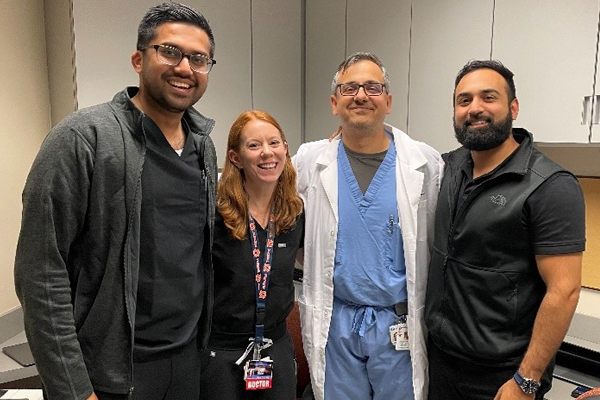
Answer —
10 370
28 394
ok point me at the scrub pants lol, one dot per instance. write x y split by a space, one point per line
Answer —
361 362
173 377
222 378
452 378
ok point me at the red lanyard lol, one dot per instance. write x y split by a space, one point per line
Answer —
262 266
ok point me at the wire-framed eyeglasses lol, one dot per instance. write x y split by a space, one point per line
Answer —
172 56
351 89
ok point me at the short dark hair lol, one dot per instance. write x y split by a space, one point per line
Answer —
353 59
495 65
171 12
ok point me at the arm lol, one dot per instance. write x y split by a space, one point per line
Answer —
562 275
300 256
54 207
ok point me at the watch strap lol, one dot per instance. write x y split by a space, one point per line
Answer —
527 385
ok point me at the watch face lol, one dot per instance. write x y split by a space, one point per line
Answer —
530 386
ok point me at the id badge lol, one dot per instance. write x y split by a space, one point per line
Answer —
258 374
399 335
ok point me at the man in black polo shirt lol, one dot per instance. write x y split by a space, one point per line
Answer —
113 265
505 271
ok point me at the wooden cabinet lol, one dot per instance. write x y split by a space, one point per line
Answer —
445 36
550 45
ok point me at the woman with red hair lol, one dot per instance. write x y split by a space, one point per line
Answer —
259 228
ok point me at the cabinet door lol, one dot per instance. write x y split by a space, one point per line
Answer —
550 45
278 64
381 27
105 38
445 36
325 45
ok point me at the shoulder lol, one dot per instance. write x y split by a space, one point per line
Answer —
306 149
87 124
407 144
309 152
198 122
561 185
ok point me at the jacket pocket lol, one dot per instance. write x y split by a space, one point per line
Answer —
479 311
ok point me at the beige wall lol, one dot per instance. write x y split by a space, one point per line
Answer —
24 120
25 115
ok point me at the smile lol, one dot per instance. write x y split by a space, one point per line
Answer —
478 122
180 85
268 166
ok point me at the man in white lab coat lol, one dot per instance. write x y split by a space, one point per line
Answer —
370 197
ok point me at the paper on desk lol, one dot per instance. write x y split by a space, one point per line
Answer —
23 394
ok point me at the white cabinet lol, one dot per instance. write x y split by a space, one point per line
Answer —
381 27
550 45
325 44
445 36
278 64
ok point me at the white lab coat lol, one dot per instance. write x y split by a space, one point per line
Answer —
418 176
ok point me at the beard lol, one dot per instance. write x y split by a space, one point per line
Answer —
486 138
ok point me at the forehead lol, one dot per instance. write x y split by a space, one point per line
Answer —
362 71
258 127
481 80
186 36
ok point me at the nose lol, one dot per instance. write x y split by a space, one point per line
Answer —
361 94
266 151
184 64
476 106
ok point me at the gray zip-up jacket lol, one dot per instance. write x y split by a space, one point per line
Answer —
77 261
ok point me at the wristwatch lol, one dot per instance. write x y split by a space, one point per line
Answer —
527 385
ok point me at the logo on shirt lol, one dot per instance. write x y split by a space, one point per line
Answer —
498 199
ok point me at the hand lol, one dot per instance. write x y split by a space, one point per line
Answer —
93 397
334 134
511 391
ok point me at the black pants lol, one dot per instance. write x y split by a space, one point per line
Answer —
452 378
176 377
222 379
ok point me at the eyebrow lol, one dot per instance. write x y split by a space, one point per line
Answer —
358 83
484 91
169 44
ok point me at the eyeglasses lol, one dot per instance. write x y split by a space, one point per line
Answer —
172 56
351 89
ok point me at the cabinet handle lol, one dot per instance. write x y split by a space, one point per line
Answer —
586 113
596 112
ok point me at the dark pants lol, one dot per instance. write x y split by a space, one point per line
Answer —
452 378
221 378
171 378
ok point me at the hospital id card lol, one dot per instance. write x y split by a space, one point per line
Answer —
258 374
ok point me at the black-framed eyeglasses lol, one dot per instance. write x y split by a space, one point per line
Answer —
351 89
172 56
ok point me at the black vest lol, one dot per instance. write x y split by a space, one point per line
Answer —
484 289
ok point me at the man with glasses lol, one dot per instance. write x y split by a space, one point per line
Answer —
113 262
370 196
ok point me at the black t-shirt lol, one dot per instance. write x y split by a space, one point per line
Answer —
173 217
235 289
544 210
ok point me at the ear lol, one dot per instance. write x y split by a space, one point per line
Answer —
234 159
334 102
389 104
136 61
514 108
